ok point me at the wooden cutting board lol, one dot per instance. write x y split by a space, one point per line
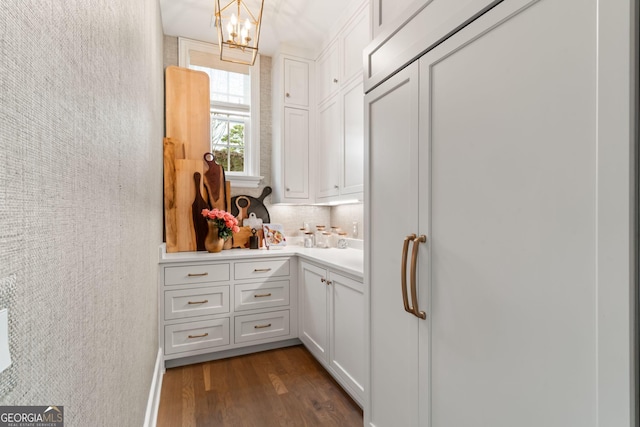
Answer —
188 110
185 194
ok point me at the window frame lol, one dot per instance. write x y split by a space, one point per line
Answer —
250 178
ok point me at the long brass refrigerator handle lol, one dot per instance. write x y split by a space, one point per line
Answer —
414 291
403 273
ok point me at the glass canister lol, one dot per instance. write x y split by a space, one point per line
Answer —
309 240
319 231
325 240
342 240
301 233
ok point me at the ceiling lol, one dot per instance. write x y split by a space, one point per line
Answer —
299 23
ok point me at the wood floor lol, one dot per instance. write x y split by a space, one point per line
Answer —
284 387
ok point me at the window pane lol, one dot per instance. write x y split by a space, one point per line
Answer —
226 86
228 140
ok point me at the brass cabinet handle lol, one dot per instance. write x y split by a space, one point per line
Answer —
198 302
287 95
206 334
197 274
261 270
262 326
403 272
328 282
335 80
262 295
322 279
414 292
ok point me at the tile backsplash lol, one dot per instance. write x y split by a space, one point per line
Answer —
343 216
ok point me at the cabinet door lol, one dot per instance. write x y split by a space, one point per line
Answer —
296 83
391 118
353 139
328 148
314 310
346 325
328 72
386 12
511 161
354 39
296 153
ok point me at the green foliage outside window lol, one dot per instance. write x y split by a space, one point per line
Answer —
228 148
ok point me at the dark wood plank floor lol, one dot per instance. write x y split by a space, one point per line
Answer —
284 387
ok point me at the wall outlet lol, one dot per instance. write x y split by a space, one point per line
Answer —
5 356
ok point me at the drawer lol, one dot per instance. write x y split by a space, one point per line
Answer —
260 269
249 296
255 327
196 302
196 274
196 335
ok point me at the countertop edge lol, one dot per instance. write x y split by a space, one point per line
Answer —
349 261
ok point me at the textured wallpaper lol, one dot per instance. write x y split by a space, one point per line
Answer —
81 126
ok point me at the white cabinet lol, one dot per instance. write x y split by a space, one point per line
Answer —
328 75
296 83
329 149
332 324
214 308
405 29
486 292
340 142
314 310
386 12
353 38
352 154
346 332
292 130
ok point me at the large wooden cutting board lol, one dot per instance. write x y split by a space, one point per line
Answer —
188 110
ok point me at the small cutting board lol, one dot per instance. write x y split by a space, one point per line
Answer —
185 194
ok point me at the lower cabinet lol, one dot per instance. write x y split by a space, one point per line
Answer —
209 307
215 309
331 323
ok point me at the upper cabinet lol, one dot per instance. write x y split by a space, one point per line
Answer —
339 148
405 29
292 122
385 12
318 117
328 66
296 82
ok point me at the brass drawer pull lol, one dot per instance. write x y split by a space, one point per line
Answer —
403 272
198 302
268 325
261 270
414 292
197 274
262 295
206 334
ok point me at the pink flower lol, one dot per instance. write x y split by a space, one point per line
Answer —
226 222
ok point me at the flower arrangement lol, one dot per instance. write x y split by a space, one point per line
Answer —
227 224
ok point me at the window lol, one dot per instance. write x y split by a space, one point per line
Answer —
235 110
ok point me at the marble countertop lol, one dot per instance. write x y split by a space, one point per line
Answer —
348 260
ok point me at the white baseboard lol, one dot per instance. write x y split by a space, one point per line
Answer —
151 416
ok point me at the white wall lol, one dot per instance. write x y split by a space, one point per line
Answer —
81 126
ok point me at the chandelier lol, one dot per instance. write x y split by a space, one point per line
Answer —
238 30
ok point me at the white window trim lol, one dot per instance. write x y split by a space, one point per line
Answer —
251 178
